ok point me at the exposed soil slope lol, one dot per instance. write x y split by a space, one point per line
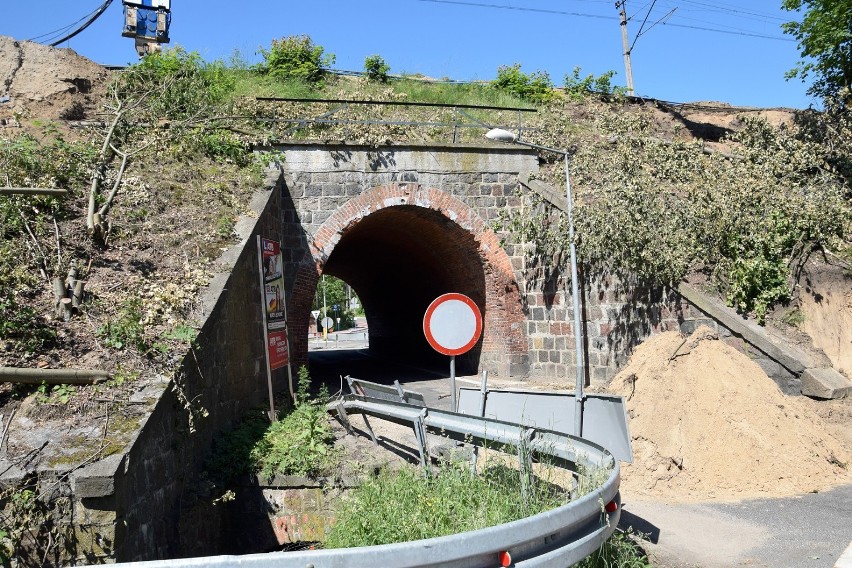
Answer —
47 83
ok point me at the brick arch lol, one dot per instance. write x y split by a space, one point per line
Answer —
436 224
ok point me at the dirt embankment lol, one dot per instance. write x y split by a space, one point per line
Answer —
46 83
825 301
707 423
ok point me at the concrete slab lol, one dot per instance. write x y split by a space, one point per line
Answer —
825 383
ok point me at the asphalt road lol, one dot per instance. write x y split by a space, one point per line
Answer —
810 531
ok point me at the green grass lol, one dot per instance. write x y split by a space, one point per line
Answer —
620 551
403 505
248 83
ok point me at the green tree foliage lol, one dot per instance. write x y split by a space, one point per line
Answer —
296 57
825 44
178 90
376 68
184 85
657 209
536 87
335 295
27 161
577 87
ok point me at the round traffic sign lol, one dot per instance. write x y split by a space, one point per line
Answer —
452 324
327 323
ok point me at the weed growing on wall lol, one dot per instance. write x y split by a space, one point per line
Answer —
299 443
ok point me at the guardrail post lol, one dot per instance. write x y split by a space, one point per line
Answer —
420 434
525 462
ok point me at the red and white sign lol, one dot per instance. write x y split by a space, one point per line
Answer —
278 352
452 324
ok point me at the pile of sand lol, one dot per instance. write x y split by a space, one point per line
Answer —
707 423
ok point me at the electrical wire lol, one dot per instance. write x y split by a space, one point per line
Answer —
61 30
732 31
85 25
735 10
517 8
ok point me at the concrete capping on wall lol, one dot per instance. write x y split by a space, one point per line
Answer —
319 157
792 359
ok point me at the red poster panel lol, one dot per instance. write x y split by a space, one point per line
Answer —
277 346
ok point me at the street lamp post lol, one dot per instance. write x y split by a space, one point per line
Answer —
500 135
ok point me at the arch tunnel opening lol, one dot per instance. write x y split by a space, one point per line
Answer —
398 260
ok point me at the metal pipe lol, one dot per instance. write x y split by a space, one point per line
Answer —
578 332
506 136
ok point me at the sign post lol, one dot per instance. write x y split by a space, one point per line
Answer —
452 325
271 271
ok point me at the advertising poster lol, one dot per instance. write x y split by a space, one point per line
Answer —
273 298
277 345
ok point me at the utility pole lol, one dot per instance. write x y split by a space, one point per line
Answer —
628 69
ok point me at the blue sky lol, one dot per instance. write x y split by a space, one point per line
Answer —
676 61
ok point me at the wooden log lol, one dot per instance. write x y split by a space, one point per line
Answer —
59 292
28 376
65 307
32 191
70 280
77 295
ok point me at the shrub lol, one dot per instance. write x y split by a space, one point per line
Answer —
656 209
376 69
296 57
536 87
299 443
180 83
577 88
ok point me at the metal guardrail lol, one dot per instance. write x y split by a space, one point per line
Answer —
560 537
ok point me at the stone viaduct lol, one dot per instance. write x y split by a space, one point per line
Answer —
404 224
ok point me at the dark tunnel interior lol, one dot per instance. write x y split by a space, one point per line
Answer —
398 260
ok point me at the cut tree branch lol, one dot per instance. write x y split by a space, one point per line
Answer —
29 376
32 191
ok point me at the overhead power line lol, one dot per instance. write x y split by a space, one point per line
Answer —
601 17
92 16
517 8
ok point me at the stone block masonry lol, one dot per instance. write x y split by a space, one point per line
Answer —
424 218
